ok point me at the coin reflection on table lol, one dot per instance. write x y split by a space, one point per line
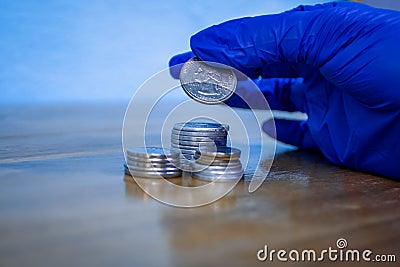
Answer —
132 189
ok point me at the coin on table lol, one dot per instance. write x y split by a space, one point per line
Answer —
235 165
150 164
208 146
231 171
186 156
185 147
207 83
188 151
198 138
203 167
152 160
152 152
197 143
153 169
220 134
201 126
219 153
216 162
193 143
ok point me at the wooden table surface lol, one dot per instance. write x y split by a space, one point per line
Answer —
64 201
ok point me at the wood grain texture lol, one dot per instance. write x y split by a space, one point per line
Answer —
64 201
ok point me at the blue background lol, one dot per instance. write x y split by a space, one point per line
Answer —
101 50
59 50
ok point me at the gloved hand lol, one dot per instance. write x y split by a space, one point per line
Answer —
337 62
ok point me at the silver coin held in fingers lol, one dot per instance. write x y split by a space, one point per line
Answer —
206 83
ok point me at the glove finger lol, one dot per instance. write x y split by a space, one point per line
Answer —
175 63
273 70
280 70
247 44
291 132
286 94
321 6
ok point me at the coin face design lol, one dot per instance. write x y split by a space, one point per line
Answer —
207 83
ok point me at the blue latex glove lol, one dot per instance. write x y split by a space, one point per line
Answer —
337 62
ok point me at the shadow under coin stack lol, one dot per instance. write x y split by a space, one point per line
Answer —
189 136
152 162
220 165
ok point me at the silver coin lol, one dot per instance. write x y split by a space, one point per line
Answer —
185 147
147 174
211 168
151 165
187 156
203 137
199 133
216 162
194 146
153 160
220 174
128 167
216 178
187 151
198 138
222 152
197 143
153 169
236 165
206 83
155 175
203 146
151 152
201 126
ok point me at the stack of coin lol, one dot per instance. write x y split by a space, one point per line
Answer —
152 162
189 136
217 165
